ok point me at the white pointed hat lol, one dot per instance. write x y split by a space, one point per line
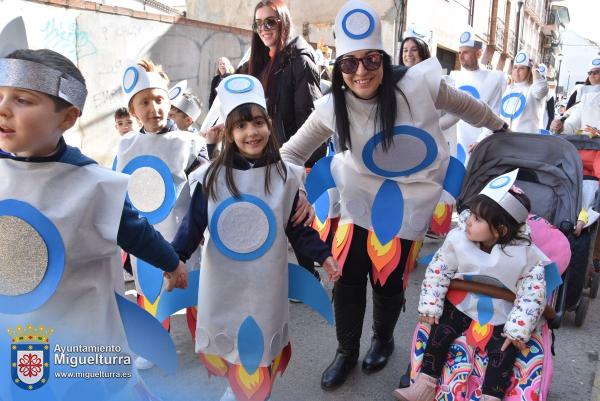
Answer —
136 79
357 27
184 101
467 39
522 58
415 31
594 64
238 89
497 190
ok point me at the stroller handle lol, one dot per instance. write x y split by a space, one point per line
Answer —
494 292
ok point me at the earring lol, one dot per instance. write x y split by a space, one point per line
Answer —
343 87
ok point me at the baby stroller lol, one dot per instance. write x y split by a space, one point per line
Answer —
550 174
589 152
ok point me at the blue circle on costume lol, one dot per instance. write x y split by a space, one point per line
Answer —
153 162
541 69
520 57
244 89
31 301
260 251
544 131
519 111
358 36
134 79
114 164
500 182
471 90
406 130
176 91
596 62
465 37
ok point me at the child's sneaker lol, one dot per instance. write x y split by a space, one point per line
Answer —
142 363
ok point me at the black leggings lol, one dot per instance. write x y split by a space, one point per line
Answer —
358 264
452 324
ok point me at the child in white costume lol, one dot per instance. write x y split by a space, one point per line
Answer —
159 158
491 245
246 199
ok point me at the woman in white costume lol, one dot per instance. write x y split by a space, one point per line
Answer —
389 169
523 102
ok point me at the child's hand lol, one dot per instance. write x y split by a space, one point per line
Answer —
578 228
177 278
518 344
429 319
304 212
331 267
213 135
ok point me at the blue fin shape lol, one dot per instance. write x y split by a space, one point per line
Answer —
426 260
461 154
171 302
322 206
485 309
454 177
553 279
251 345
304 286
319 179
150 279
146 336
388 211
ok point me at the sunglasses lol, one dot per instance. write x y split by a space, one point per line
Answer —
594 72
267 24
371 62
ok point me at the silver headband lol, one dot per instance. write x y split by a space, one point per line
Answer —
25 74
188 106
514 207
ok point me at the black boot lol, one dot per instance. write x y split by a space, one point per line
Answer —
349 305
385 315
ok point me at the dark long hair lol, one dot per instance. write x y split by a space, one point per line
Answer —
229 149
497 218
386 105
259 53
422 49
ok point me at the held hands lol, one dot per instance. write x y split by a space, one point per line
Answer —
429 319
578 228
556 126
518 344
332 269
304 211
177 278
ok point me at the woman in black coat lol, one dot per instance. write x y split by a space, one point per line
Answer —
223 69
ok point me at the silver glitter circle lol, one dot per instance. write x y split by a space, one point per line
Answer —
243 227
405 153
23 257
146 189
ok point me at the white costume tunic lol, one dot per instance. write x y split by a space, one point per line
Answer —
516 267
484 85
522 106
245 264
84 239
587 112
158 187
409 174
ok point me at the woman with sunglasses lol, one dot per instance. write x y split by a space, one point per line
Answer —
389 169
285 65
